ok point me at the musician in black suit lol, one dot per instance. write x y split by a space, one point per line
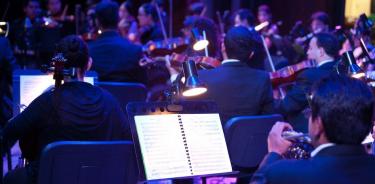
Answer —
340 119
234 86
7 65
114 58
323 48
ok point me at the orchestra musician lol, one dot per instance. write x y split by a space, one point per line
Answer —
265 15
338 123
323 49
115 58
7 66
149 23
244 17
24 35
76 110
56 25
127 24
319 23
237 88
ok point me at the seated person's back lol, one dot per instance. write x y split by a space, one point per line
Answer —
73 111
336 130
115 58
234 86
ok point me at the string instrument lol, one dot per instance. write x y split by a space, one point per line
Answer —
55 21
162 48
288 73
177 60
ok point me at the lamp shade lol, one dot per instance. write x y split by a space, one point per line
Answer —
353 69
193 86
200 40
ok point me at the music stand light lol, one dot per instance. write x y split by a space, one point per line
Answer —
200 40
193 86
353 69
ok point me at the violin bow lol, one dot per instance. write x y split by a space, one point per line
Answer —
161 22
270 61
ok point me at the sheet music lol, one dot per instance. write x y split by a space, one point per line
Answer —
166 155
163 153
31 86
206 142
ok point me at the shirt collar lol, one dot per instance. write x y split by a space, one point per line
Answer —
324 62
321 147
230 61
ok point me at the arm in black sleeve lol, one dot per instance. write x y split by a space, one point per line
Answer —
25 122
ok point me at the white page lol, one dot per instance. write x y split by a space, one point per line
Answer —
206 143
31 86
162 147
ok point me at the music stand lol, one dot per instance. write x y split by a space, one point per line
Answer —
176 134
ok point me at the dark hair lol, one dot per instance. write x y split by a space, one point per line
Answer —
75 50
246 14
129 6
107 14
240 42
196 8
320 16
345 106
150 9
26 2
264 8
328 42
190 20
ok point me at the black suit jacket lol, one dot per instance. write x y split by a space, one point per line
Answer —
7 65
341 164
238 90
116 59
295 100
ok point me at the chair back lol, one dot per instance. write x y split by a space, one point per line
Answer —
125 92
88 162
246 138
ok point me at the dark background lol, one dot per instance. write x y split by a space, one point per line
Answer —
287 11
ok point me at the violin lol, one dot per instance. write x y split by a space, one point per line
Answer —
177 59
288 73
162 48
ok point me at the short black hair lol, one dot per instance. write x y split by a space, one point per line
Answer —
345 106
321 16
129 6
239 42
245 14
328 42
150 9
107 14
75 50
264 8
